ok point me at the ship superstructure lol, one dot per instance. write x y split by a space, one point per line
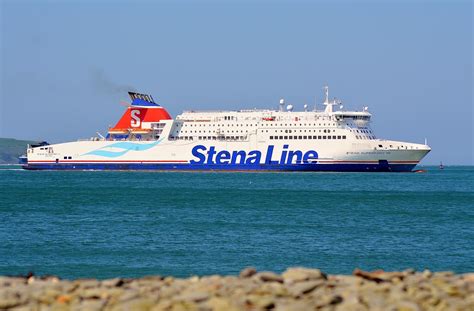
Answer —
147 138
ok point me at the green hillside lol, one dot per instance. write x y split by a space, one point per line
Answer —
11 149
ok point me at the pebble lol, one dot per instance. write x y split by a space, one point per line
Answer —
269 277
296 289
248 272
300 288
117 282
293 275
195 296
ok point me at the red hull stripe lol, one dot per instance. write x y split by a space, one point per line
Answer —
364 161
185 161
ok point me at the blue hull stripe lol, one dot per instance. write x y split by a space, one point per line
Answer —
356 167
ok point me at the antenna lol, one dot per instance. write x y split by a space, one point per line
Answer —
326 91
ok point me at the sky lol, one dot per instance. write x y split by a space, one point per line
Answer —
66 66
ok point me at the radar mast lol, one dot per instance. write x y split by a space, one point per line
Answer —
328 103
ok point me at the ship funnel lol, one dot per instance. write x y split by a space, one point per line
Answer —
140 115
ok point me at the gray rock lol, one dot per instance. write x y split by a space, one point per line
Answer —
300 288
248 272
293 275
268 277
11 297
196 296
116 282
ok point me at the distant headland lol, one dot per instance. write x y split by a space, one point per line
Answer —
11 149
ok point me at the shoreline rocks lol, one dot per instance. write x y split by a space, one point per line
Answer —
294 289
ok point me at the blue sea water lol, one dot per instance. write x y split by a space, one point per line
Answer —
108 224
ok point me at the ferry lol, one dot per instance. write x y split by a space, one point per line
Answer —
148 138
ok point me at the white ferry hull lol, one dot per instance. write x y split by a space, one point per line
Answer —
223 156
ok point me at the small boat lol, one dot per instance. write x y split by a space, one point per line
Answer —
441 166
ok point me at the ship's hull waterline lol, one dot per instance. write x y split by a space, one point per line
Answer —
226 168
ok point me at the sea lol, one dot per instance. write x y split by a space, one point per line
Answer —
98 224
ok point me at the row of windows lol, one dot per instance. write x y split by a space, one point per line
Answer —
158 125
290 131
310 137
229 138
67 158
49 149
253 124
365 137
263 131
226 138
242 131
362 131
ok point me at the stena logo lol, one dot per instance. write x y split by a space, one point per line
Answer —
203 155
135 121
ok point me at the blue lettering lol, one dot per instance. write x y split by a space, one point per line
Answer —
268 159
202 155
210 155
235 154
254 157
283 154
223 157
291 154
198 155
309 156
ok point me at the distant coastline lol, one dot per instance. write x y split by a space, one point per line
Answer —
11 149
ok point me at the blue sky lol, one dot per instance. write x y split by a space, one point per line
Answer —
66 65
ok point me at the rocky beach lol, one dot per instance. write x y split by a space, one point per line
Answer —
294 289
